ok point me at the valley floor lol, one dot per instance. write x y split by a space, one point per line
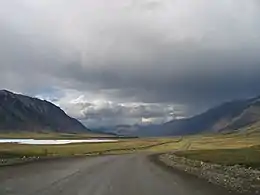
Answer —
224 151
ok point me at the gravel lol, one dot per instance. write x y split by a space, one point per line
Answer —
236 178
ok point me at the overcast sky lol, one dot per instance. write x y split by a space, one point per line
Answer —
131 61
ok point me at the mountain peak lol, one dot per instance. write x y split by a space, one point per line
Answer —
20 112
5 92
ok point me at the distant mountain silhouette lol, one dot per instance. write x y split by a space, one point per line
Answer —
23 113
228 117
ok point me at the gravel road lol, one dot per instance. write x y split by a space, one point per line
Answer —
105 175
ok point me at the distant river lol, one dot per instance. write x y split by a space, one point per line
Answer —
53 142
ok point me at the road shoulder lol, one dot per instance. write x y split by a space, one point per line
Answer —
235 179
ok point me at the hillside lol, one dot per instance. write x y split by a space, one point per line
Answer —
227 117
23 113
240 115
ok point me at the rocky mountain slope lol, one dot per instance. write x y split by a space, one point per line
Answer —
19 112
227 117
240 115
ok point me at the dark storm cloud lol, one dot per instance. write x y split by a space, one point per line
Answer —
212 77
191 53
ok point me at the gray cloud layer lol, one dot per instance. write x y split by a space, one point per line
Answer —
110 113
183 52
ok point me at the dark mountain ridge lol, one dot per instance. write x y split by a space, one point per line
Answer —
23 113
227 117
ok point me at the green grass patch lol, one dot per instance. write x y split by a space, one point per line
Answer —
228 149
10 150
248 157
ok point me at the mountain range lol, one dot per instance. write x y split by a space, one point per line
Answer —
228 117
24 113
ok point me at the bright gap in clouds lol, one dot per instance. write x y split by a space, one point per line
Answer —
97 113
128 61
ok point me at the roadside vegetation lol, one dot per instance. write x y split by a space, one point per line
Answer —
248 157
11 153
226 149
50 135
229 149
